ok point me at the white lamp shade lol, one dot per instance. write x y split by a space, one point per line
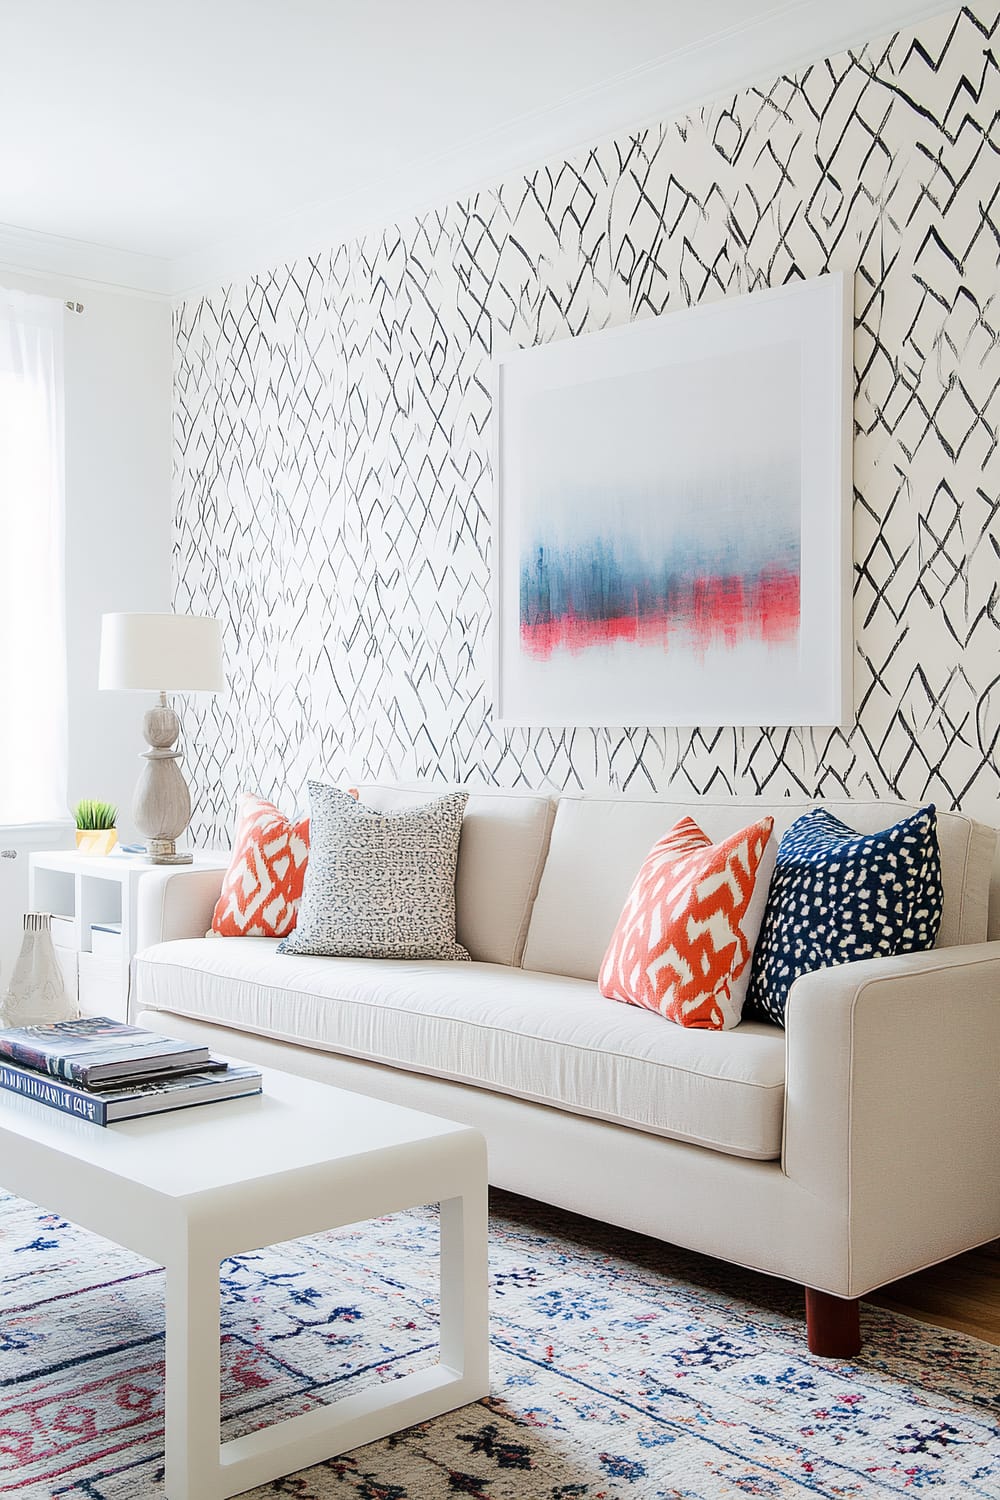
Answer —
161 654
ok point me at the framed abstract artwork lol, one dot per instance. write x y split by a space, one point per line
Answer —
672 530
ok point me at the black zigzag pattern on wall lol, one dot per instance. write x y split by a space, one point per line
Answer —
332 441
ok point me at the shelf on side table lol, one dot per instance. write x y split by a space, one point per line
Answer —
84 890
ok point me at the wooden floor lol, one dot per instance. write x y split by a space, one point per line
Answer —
963 1293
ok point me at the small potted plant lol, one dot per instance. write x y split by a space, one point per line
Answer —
95 826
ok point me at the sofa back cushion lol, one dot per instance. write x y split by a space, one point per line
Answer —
598 844
505 836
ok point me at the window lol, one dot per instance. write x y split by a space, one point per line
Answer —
32 604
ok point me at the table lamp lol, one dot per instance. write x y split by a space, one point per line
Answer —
161 653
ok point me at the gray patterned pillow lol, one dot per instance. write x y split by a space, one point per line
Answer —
379 885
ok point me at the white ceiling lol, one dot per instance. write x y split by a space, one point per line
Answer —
170 146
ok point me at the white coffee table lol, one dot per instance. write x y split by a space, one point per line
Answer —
189 1188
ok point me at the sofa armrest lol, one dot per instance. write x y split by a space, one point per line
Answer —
892 1104
176 903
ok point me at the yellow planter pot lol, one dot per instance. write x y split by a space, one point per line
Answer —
96 840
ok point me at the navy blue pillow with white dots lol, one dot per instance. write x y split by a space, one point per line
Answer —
838 896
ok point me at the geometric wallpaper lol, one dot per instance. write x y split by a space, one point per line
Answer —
332 442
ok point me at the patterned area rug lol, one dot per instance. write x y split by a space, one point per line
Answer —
621 1367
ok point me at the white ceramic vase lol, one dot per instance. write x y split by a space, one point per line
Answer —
36 993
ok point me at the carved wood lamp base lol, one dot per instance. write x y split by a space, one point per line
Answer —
162 806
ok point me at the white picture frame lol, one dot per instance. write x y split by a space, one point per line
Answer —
672 518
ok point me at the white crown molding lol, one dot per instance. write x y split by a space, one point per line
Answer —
784 40
29 253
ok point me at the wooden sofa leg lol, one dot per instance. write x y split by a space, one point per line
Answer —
833 1324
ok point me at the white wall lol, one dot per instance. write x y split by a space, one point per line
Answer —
118 359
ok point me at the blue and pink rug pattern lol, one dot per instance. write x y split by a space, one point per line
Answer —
621 1368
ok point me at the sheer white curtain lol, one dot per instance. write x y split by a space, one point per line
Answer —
32 569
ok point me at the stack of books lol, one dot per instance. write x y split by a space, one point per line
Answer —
101 1070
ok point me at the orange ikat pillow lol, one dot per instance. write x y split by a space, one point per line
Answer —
685 938
263 885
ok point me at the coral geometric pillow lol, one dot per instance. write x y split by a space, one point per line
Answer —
684 940
263 885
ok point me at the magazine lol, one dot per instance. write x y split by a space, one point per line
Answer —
95 1049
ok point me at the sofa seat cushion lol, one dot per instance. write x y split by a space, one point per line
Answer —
539 1036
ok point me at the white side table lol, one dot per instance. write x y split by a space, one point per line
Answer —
189 1189
81 890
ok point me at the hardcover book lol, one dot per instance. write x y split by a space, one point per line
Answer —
95 1050
130 1103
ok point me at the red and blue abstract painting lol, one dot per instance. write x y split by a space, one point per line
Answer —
688 547
673 524
660 531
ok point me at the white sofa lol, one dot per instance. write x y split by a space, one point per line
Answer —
848 1150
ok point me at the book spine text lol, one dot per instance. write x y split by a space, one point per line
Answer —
49 1091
